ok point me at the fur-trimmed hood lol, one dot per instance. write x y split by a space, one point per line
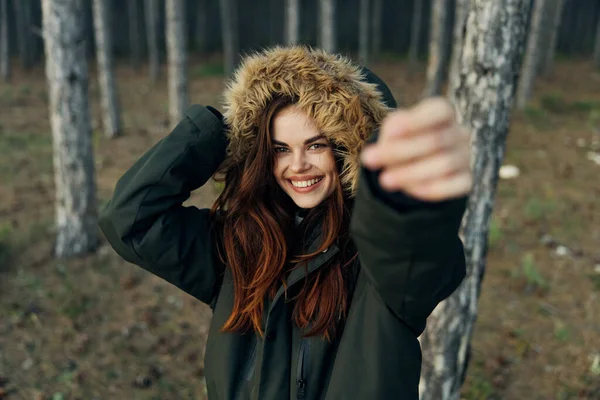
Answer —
346 101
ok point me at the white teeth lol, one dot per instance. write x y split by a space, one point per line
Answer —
303 184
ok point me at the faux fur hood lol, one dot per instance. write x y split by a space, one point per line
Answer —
346 101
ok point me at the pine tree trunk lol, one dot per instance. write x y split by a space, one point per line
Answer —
24 39
435 65
377 16
67 74
415 34
135 40
292 19
460 21
554 12
532 54
111 119
483 92
363 32
151 13
229 24
177 59
327 22
4 41
597 44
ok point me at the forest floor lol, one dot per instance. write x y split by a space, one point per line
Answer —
98 327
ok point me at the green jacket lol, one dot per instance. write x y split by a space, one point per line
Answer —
410 258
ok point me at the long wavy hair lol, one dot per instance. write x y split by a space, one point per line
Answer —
261 243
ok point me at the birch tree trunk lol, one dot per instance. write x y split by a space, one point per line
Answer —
135 40
229 24
460 21
67 74
377 16
483 92
4 41
151 14
435 65
363 32
24 39
177 59
327 22
109 100
554 17
597 45
415 35
292 21
532 54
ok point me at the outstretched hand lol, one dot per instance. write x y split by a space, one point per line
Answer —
422 151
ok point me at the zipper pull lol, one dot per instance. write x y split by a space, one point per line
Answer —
301 386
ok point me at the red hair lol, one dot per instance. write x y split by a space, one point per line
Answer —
261 243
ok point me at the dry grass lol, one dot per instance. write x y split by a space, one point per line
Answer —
99 327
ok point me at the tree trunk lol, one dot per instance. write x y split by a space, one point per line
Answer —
376 27
435 66
135 40
229 24
177 60
4 41
415 34
532 54
554 12
111 118
24 38
67 74
363 32
327 21
151 13
292 19
200 22
484 91
460 21
597 44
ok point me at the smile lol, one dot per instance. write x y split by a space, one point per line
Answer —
308 183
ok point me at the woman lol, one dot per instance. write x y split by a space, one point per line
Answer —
321 261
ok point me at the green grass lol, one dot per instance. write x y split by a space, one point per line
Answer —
537 208
212 69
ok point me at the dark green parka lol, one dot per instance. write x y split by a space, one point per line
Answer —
410 255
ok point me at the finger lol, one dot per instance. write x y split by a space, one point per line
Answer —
427 169
450 187
428 114
401 150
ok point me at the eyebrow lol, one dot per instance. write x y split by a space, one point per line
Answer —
307 141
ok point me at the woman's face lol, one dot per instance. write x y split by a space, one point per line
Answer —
304 163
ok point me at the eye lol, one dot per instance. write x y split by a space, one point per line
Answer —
317 146
281 149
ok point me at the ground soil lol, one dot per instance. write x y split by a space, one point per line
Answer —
97 327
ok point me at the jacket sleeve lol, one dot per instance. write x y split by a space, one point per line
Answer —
145 221
409 250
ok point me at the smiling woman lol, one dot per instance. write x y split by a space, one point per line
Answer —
320 268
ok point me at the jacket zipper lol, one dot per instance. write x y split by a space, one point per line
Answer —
300 370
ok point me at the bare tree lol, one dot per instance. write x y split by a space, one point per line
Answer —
111 115
151 13
24 32
554 11
483 91
376 19
135 40
67 74
597 44
435 65
460 20
229 25
177 59
415 34
363 32
292 21
327 25
4 41
532 54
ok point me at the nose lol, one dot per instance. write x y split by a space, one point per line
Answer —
299 163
